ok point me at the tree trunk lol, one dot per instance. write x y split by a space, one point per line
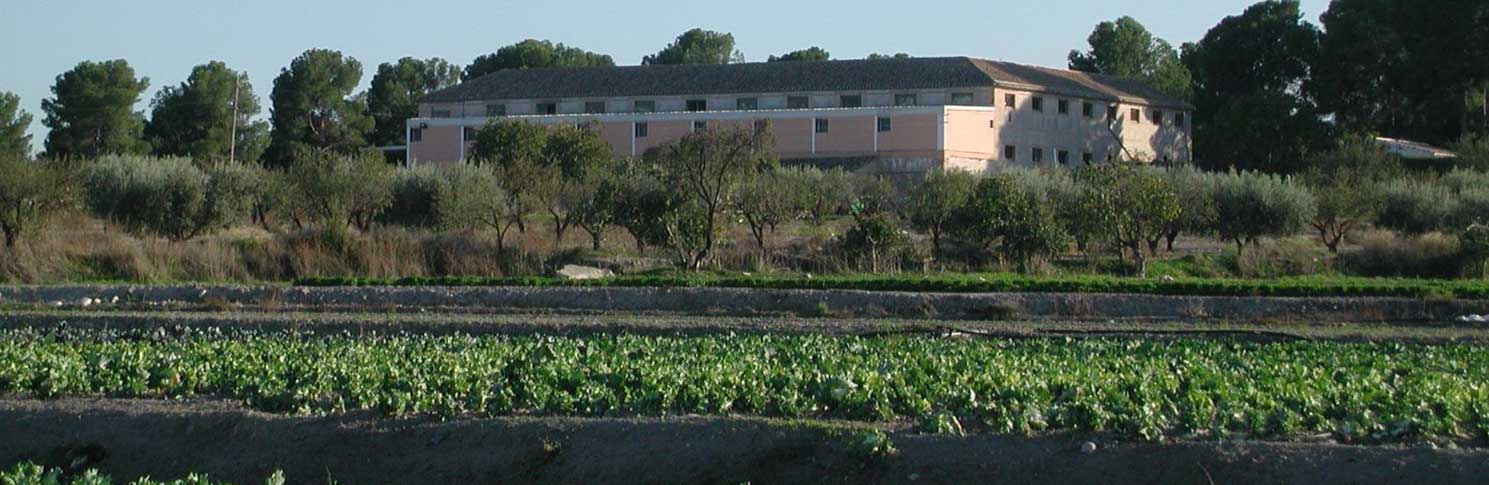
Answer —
1139 260
595 237
10 238
1171 237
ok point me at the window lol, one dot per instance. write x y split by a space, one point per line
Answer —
1063 106
961 98
1062 156
1087 157
546 108
821 125
641 130
1010 153
469 133
1136 115
747 103
1179 120
496 110
798 102
884 124
904 100
1038 103
594 107
1158 117
645 106
850 101
700 125
1037 155
440 113
415 135
697 105
1088 110
1010 100
1111 113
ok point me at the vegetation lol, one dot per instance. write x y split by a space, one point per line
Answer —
208 117
813 53
1144 389
698 46
14 141
1125 48
313 108
32 474
92 112
533 53
170 197
30 194
396 87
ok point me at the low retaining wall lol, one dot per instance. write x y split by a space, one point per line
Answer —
741 301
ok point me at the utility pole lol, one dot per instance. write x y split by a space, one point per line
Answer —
232 142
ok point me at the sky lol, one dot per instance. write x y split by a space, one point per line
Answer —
164 39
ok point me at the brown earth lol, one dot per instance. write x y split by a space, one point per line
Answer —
132 438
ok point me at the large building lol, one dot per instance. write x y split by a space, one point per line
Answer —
900 115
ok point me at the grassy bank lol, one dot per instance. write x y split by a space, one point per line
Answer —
981 283
1147 389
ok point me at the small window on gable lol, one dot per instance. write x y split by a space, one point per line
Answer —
641 130
850 101
1037 155
1136 115
700 125
1011 101
908 99
1062 156
1088 110
1063 106
961 99
594 107
697 105
746 103
440 113
798 102
821 125
885 124
1010 152
547 108
644 106
493 110
1038 103
415 135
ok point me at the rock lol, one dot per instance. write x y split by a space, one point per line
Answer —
577 272
85 302
1088 447
1167 278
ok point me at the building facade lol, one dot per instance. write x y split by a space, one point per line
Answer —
903 115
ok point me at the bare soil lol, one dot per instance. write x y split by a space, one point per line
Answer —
133 438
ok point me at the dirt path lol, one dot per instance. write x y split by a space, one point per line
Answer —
131 438
672 325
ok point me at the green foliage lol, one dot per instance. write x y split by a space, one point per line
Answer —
767 202
820 193
698 46
337 190
1284 257
874 237
1002 216
1131 204
1381 254
206 116
935 200
1343 182
1472 151
31 474
1475 247
393 97
875 56
707 169
14 121
30 193
473 197
533 53
1414 206
1196 192
509 141
170 197
416 191
91 111
809 54
1145 389
1125 48
642 203
1250 205
313 107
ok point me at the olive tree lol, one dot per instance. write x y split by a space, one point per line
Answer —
1002 216
170 197
934 201
708 167
571 156
766 203
1133 205
1196 192
30 193
472 197
1250 205
339 190
1343 182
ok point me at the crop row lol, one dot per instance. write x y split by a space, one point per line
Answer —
975 283
1151 389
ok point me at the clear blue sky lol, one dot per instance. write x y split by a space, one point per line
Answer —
163 39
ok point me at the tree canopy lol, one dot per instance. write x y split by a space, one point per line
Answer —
809 54
313 108
1125 48
396 88
14 141
91 111
201 117
532 53
698 46
878 57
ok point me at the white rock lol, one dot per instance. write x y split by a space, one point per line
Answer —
577 272
85 302
1088 447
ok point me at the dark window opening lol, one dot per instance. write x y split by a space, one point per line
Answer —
1087 157
1179 120
884 124
594 107
746 103
905 100
641 130
1088 110
647 106
1037 155
547 108
1038 103
1136 115
496 110
1010 152
798 102
821 125
415 135
850 101
700 125
1010 101
963 99
697 105
1063 107
1062 156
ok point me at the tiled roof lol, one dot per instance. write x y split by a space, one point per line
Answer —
787 77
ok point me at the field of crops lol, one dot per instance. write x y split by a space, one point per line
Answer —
1147 389
980 283
32 474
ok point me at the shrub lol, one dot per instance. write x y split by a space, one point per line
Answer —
1431 255
170 197
1475 248
1291 256
1002 215
1415 206
414 193
338 190
934 201
1195 190
874 237
30 193
765 203
1250 205
1131 204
